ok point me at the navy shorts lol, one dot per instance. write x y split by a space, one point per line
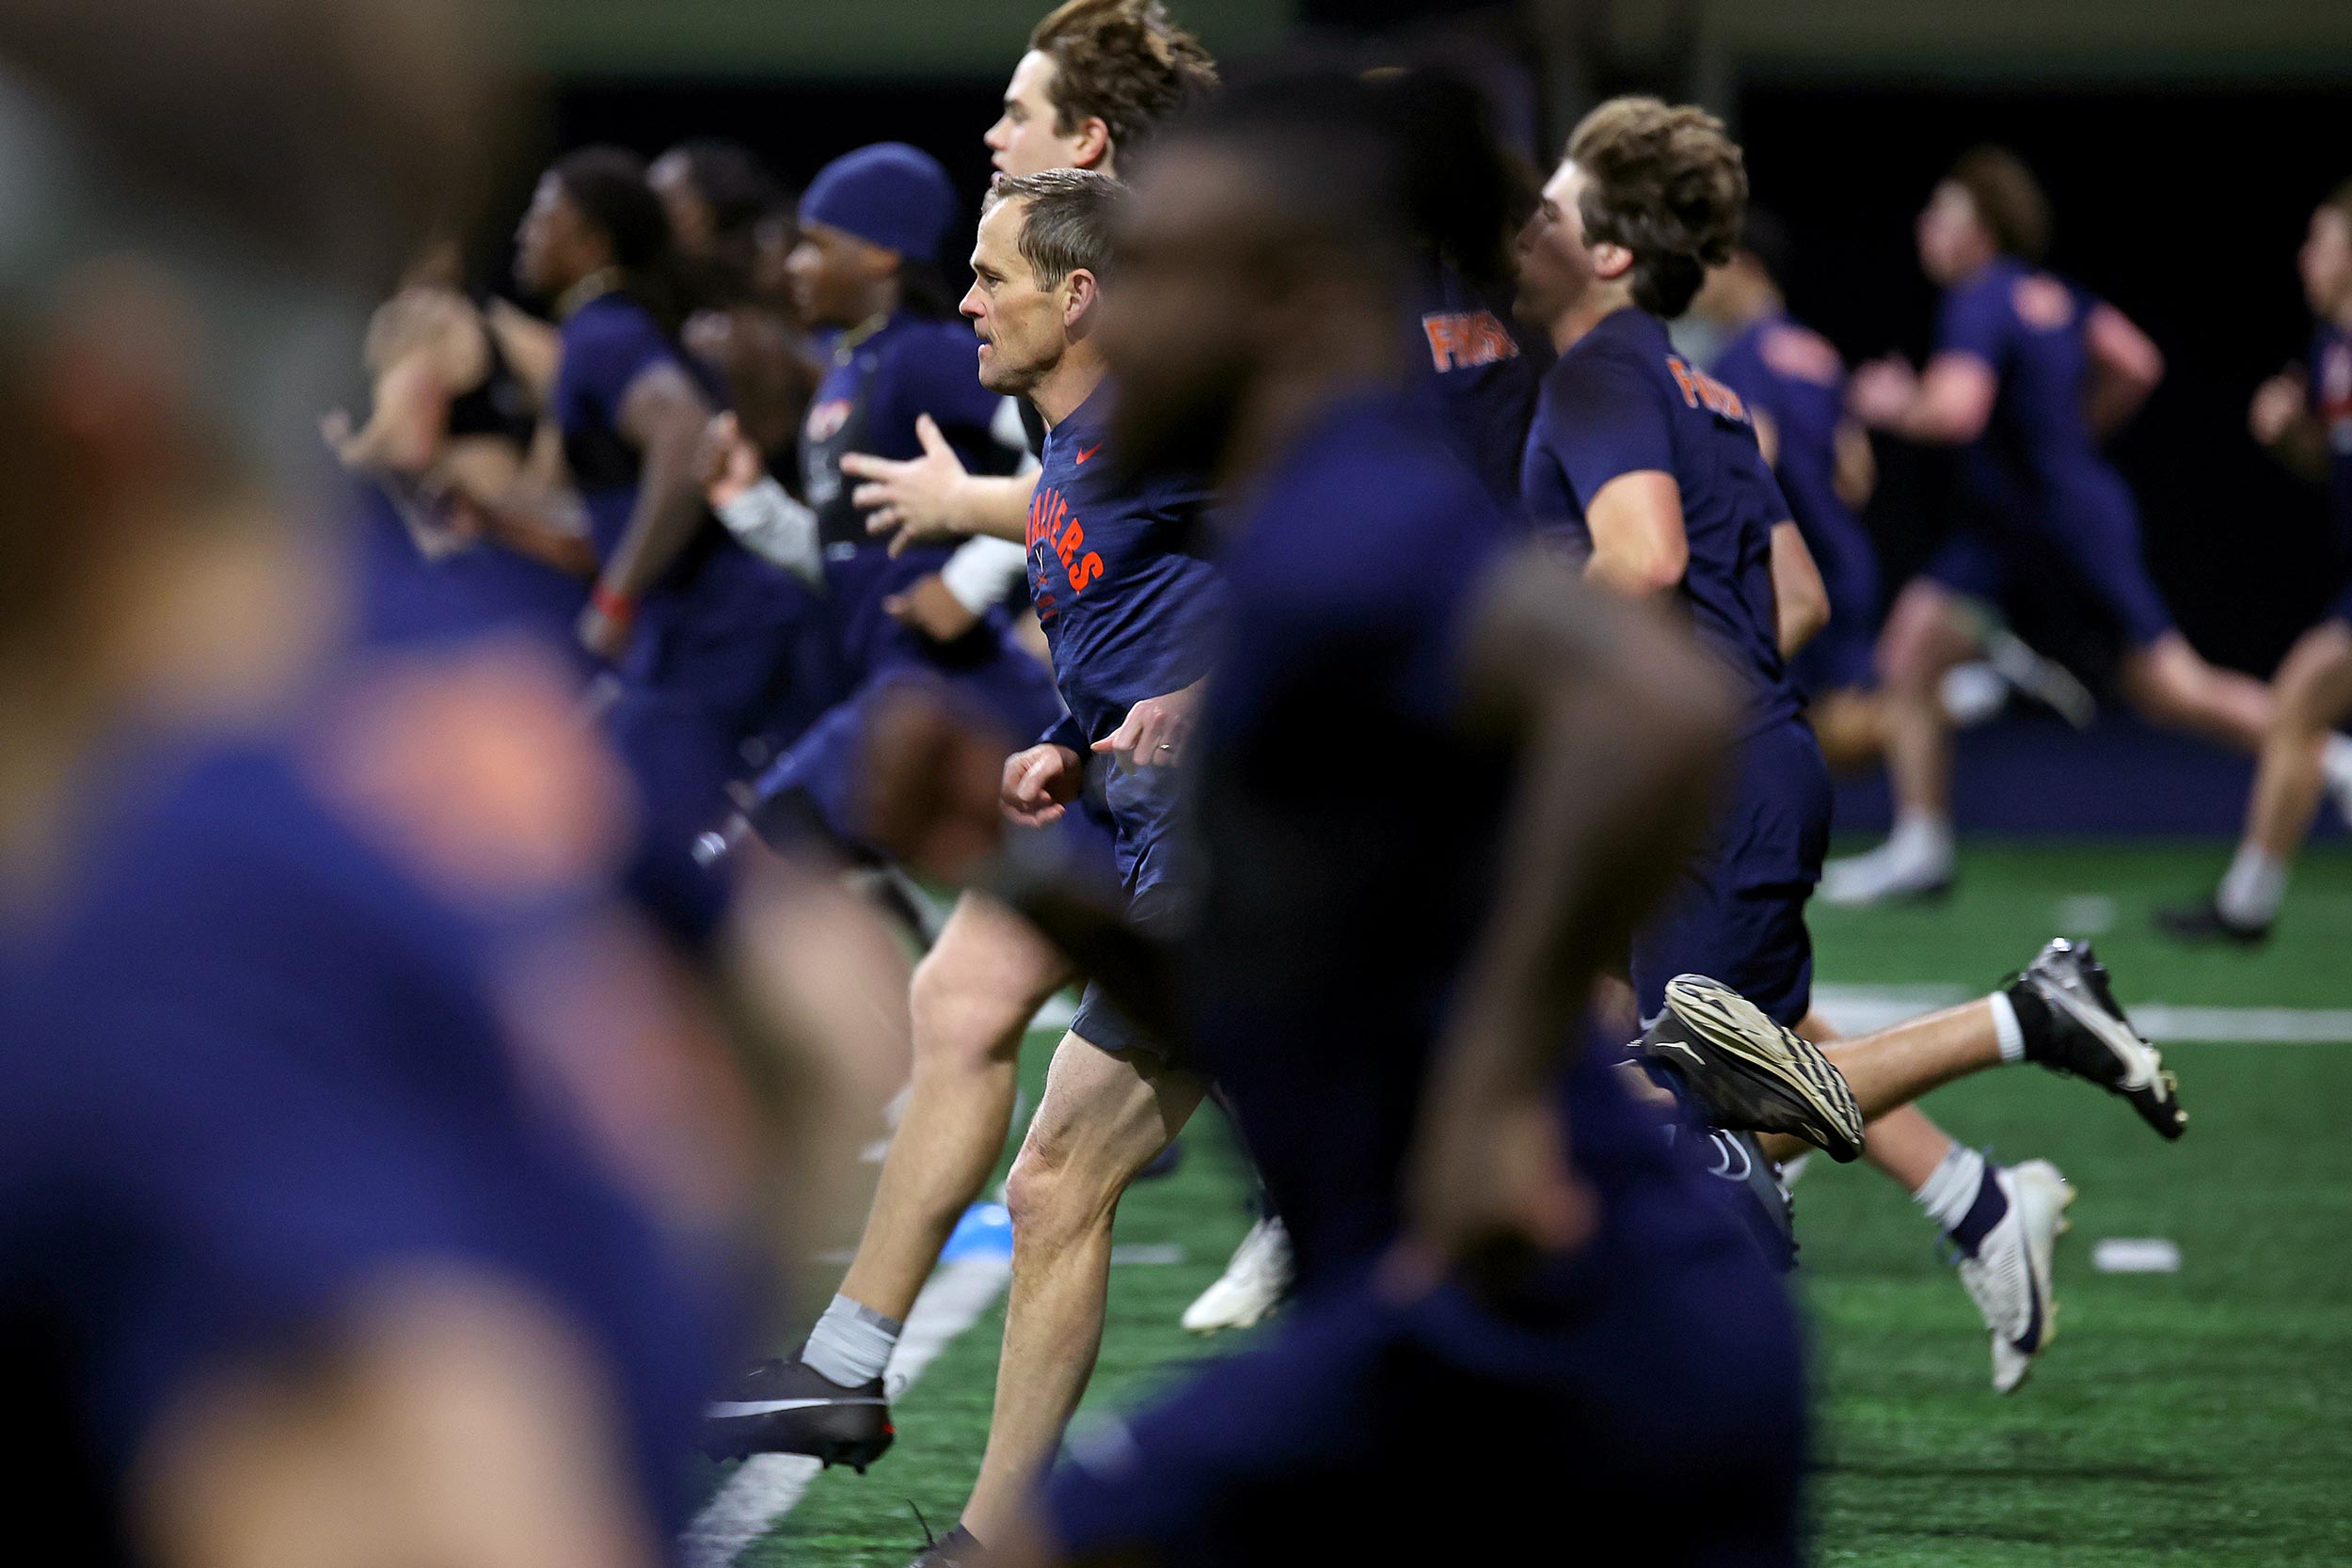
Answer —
1737 911
2086 536
1159 909
1667 1410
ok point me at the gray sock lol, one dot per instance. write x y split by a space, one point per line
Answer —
851 1343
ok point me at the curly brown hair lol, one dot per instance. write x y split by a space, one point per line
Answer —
1665 181
2008 199
1123 62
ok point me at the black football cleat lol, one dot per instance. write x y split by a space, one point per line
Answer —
790 1407
1750 1074
2087 1035
2203 925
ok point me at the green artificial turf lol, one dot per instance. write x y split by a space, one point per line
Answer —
2202 1418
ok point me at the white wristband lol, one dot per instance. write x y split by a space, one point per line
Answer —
982 572
773 526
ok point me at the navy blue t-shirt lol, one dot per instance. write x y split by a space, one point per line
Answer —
2330 380
1797 379
254 1065
1128 605
2031 329
1621 401
1482 376
1350 825
712 626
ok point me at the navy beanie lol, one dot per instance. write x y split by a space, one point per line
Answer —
889 193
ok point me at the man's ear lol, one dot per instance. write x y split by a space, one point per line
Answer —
1080 293
1610 260
1093 148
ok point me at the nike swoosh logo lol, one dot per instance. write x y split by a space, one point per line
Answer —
1086 452
722 1409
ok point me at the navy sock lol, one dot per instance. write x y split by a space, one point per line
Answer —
1990 1205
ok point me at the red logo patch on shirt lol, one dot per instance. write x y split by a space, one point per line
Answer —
1801 355
826 418
1084 452
1459 340
2042 303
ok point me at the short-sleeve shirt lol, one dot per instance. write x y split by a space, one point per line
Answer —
2030 328
1350 824
1481 376
874 388
1621 401
1796 377
2330 381
251 1066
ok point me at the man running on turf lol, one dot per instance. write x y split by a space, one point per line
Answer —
2305 418
1127 606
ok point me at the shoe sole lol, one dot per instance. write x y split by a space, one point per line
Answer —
2157 1100
1221 1324
2047 1186
1732 1025
855 1452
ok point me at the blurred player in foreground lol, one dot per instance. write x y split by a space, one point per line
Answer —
2030 376
370 1181
2305 418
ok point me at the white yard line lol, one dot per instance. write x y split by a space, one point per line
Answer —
767 1487
1859 1010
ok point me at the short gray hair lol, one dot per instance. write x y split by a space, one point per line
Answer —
1068 222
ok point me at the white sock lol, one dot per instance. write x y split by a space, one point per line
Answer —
1921 838
2006 1028
1950 1189
851 1343
2335 762
2252 889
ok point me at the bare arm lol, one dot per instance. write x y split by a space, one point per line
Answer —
1603 814
1639 547
1947 405
663 416
2280 419
1799 597
2125 366
1856 474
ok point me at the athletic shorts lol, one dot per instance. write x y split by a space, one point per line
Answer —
1666 1410
1736 913
1158 909
2087 537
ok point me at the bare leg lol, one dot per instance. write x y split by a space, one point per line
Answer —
1102 1120
2314 693
973 998
1927 633
2172 685
1851 727
1889 1069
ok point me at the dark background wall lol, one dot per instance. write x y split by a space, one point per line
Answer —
2182 153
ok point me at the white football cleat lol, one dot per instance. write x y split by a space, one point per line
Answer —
2010 1275
1252 1285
